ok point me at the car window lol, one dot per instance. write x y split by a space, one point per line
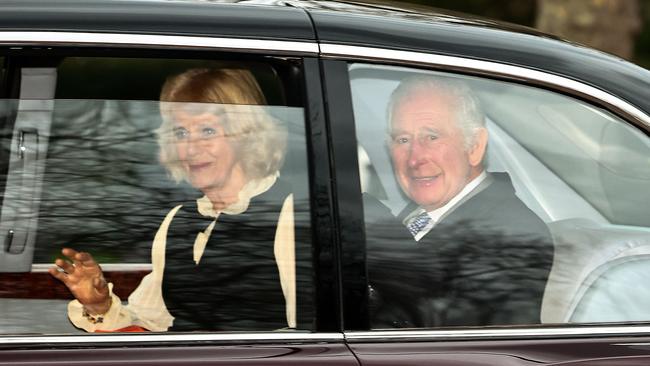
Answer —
2 68
494 203
190 204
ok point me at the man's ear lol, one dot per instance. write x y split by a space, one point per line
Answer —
477 151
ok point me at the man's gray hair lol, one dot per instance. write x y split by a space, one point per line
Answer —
469 114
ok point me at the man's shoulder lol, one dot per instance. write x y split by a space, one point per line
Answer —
498 206
502 199
498 192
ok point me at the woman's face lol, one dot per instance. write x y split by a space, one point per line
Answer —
205 152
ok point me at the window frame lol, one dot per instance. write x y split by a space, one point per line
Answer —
326 289
353 244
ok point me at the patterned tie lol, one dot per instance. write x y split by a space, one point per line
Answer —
418 223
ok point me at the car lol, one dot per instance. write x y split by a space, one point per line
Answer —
81 82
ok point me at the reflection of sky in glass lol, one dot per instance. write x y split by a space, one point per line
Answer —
598 163
581 169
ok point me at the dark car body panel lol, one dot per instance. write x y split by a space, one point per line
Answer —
165 17
619 351
348 24
405 31
241 354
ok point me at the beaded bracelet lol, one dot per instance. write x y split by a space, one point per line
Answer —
97 318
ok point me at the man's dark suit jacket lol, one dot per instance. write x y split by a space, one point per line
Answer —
485 262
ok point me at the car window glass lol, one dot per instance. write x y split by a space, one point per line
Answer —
550 224
2 69
84 145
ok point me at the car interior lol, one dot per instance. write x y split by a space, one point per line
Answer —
576 166
82 151
87 159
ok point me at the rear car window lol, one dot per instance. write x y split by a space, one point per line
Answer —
492 203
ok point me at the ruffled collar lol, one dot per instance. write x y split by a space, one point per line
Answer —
250 190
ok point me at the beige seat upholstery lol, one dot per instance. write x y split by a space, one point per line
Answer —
589 272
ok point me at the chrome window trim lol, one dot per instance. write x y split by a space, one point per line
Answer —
483 334
107 267
154 40
140 338
511 72
490 68
354 53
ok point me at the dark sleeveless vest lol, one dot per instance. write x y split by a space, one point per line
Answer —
236 285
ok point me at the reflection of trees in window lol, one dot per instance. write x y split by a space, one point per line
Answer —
473 275
103 188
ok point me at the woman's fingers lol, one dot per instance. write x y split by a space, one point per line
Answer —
66 266
77 258
69 253
79 265
54 271
83 277
85 259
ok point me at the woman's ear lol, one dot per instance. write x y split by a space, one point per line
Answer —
477 151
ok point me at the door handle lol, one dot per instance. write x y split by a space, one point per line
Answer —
27 137
16 238
15 243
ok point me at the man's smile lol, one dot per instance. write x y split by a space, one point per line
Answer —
424 181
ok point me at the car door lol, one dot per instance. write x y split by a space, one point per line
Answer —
576 165
81 170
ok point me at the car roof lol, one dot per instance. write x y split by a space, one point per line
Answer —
193 18
399 29
376 24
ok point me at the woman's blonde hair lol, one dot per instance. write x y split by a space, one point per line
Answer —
259 141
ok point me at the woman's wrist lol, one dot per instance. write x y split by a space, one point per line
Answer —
95 310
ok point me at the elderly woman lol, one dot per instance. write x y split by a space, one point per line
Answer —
225 261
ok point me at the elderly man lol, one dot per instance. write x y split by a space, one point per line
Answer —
467 251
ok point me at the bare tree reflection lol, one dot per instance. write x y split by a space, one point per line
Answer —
104 191
103 188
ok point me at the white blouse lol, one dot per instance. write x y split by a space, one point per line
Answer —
146 307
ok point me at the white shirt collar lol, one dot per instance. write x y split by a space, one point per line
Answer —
250 190
440 211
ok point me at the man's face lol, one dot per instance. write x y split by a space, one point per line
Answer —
428 150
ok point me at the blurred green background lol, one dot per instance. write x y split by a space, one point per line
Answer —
582 21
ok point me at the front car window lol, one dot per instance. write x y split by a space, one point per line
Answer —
492 203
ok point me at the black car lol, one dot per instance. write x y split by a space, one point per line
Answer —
567 127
